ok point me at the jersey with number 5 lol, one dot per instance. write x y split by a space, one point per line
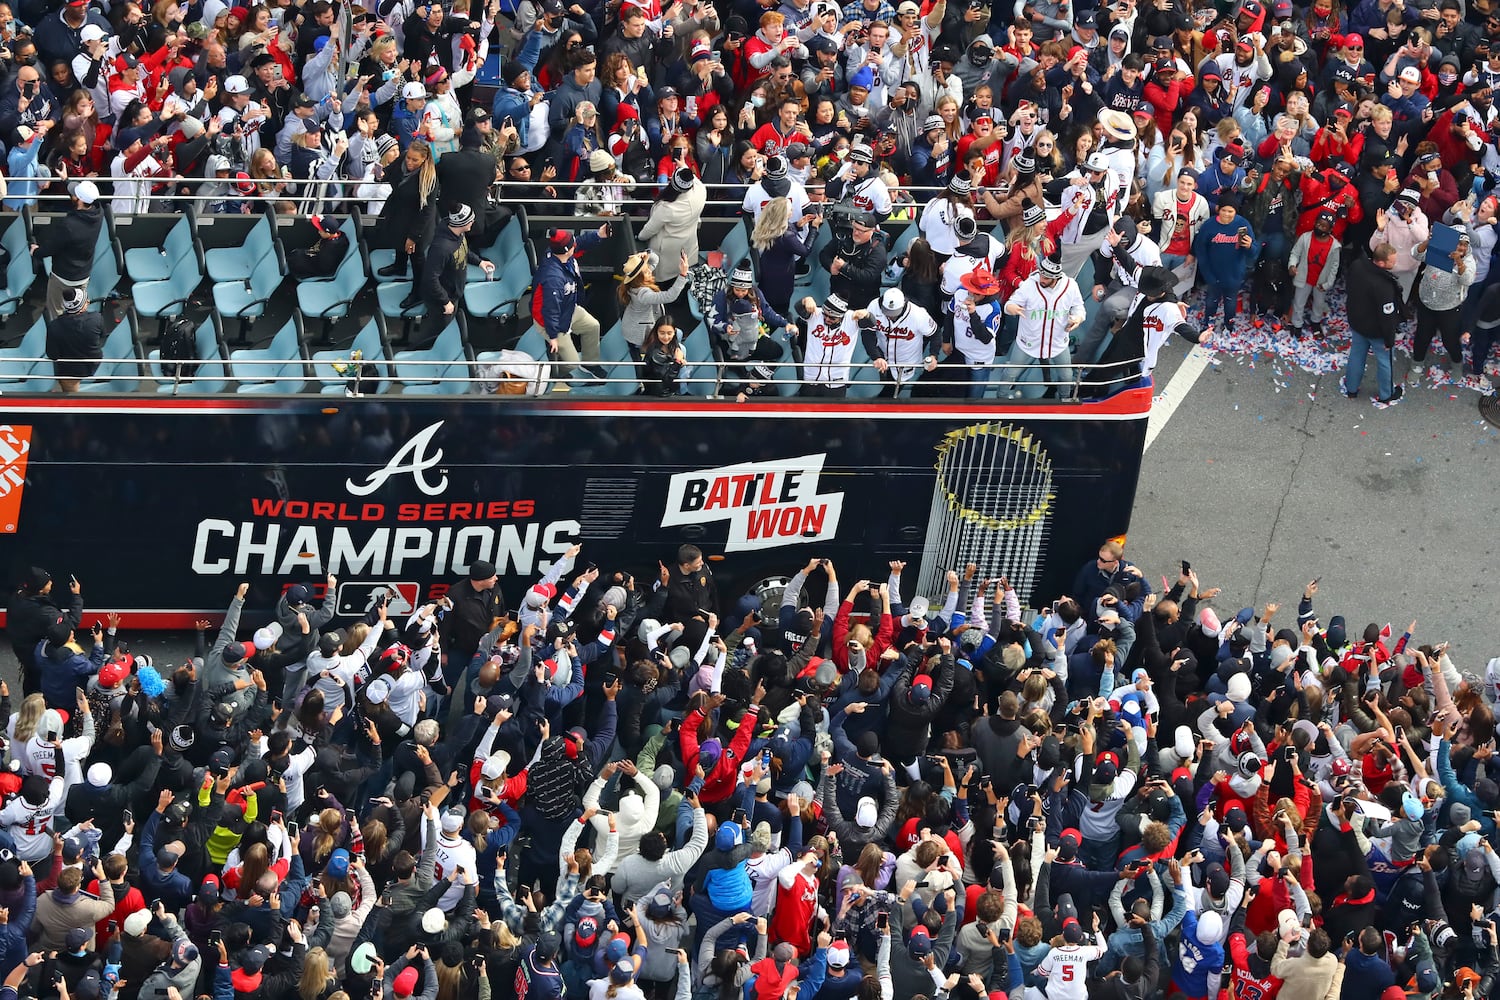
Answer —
1066 970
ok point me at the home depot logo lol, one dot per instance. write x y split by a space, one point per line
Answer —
15 444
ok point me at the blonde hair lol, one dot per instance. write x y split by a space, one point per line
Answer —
952 129
29 717
315 966
355 636
772 224
329 821
1381 113
427 173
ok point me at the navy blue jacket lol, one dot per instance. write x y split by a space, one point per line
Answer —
556 287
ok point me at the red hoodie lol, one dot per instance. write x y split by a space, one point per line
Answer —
720 782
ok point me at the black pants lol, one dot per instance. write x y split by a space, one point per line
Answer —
813 391
1445 324
433 323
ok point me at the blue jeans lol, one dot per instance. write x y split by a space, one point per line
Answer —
1354 374
1215 294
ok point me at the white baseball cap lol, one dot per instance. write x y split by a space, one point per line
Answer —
236 85
414 92
86 192
92 33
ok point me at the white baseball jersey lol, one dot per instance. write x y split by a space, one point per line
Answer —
955 267
937 221
1066 970
31 826
974 350
40 757
1143 251
763 872
453 853
1239 81
757 198
903 340
1043 331
829 350
1159 322
869 194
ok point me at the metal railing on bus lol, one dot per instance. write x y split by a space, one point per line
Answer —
1007 381
341 190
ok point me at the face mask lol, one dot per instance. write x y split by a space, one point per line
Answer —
978 57
757 101
1447 78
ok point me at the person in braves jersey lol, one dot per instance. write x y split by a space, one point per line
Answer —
1065 969
775 136
1248 958
796 903
1124 253
915 35
1242 69
900 338
856 184
831 334
777 182
975 246
977 322
1154 315
454 851
537 974
1098 211
1050 307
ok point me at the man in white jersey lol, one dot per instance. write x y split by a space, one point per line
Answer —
940 216
831 335
1101 206
454 851
49 755
1050 306
977 319
900 338
1066 968
975 247
777 182
1117 269
28 816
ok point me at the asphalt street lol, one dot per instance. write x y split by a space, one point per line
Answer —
1264 487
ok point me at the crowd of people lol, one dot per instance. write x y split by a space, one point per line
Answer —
604 790
1260 150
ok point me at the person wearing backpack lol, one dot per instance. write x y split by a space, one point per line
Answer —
75 340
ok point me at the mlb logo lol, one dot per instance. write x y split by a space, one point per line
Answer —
359 598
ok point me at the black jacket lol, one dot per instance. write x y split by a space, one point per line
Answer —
464 177
403 216
70 242
1374 301
445 270
28 618
858 281
473 612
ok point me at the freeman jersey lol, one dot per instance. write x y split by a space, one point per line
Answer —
1066 970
